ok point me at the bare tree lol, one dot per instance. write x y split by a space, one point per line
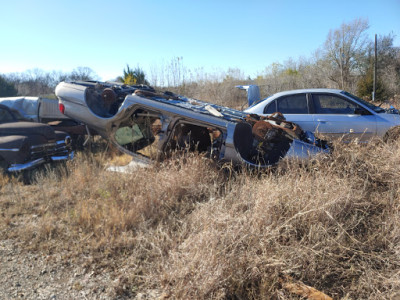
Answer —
346 49
83 73
37 82
388 63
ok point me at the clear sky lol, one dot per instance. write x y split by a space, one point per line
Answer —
215 35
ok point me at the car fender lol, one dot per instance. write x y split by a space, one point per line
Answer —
14 148
385 122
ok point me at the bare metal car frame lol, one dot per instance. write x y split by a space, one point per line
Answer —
136 118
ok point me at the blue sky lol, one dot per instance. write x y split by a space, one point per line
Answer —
214 35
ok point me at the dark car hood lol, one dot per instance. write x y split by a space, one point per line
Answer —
27 128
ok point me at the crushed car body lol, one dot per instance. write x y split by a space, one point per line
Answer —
149 125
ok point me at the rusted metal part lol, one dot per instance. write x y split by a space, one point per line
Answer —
261 129
265 126
109 97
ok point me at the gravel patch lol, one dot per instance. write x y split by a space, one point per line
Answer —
25 275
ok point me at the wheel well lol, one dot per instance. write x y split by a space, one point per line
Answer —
392 135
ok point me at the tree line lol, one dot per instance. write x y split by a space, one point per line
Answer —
344 61
38 82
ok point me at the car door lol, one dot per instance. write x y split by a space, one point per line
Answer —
295 108
338 117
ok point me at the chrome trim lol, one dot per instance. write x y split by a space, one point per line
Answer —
63 157
12 149
43 145
25 166
37 162
58 158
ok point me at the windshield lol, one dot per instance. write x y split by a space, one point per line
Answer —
366 103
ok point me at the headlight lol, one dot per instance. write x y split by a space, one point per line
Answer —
68 141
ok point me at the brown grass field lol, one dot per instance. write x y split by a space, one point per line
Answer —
191 230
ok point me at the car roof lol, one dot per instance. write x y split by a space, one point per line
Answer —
302 91
272 97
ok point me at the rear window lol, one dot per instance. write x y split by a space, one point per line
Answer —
293 104
270 108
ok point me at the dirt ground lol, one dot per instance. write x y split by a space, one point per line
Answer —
24 275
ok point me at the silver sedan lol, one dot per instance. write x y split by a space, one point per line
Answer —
329 112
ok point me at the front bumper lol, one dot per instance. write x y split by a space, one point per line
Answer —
37 162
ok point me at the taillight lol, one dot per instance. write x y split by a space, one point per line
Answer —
61 107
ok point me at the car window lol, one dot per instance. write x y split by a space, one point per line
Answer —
270 108
293 104
139 132
366 103
5 116
331 104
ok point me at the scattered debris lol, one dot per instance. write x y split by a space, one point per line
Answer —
303 290
129 168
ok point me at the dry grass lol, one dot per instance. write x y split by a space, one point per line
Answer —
333 226
184 229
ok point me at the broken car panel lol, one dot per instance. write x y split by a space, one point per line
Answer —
149 124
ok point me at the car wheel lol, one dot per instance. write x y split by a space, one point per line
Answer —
392 135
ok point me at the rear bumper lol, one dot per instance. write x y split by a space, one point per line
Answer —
39 161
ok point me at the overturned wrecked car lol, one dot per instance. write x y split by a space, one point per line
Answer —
149 125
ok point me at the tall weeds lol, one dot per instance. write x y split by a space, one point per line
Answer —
332 225
186 229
